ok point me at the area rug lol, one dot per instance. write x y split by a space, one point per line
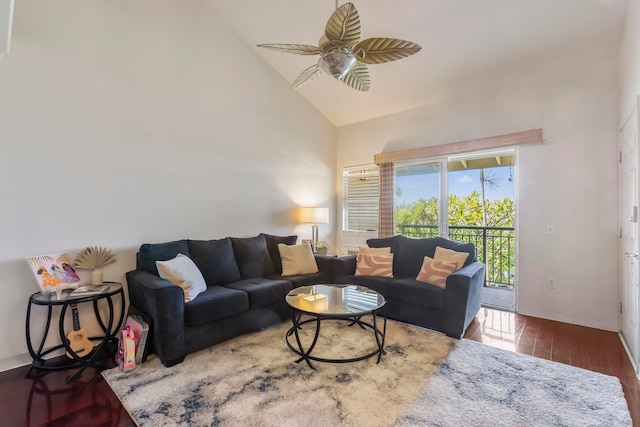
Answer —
424 379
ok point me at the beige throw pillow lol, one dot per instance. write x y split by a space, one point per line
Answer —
297 259
183 272
374 251
436 271
448 255
374 265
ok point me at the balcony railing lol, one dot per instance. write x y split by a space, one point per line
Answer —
495 246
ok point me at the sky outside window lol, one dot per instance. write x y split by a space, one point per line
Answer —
461 183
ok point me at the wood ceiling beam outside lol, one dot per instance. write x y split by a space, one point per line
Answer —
528 137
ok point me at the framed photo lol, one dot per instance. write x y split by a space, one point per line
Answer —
54 272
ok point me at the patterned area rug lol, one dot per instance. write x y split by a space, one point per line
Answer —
424 379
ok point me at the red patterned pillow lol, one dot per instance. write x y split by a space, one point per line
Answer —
374 265
436 271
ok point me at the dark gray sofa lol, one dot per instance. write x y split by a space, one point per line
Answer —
448 310
245 292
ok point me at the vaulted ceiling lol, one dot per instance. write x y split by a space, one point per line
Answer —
462 41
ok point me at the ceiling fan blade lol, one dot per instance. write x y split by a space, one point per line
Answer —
379 50
306 76
344 25
299 49
327 46
358 78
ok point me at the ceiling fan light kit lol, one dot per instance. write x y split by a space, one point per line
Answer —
343 55
336 63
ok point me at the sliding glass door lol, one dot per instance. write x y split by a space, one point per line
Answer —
468 198
420 199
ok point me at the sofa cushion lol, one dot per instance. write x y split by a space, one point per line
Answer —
303 279
417 293
411 255
149 253
436 271
262 291
374 265
467 247
297 259
183 272
253 256
215 303
458 258
216 260
272 247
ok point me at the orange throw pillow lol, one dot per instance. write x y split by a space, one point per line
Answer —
374 251
448 255
374 265
436 271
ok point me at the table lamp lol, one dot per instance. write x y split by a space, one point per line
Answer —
314 216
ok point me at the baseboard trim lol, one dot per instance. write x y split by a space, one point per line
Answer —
15 362
566 318
636 368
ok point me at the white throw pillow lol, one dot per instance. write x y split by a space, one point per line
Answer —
297 259
183 272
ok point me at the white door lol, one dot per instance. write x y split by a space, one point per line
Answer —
628 182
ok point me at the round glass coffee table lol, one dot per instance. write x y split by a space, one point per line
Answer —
342 302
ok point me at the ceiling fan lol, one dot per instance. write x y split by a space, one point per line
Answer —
342 54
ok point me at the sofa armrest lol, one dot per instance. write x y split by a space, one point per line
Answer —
163 302
463 296
325 266
343 266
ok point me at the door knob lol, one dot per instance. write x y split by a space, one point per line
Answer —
631 254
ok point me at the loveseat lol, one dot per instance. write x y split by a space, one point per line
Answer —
447 309
245 291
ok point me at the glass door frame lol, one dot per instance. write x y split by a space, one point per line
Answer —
443 190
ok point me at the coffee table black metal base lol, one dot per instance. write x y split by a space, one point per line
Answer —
318 318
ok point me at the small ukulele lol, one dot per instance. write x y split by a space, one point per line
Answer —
77 338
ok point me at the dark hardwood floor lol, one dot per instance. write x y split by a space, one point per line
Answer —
45 399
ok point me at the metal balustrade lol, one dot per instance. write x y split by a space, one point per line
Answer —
495 246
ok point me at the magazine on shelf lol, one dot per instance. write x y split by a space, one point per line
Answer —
89 290
140 331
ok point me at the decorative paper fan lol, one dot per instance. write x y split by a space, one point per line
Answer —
94 257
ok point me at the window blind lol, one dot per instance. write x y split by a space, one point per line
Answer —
360 202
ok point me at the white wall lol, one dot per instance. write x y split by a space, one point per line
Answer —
630 61
6 15
571 181
129 122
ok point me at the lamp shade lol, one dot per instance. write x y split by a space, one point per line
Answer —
314 215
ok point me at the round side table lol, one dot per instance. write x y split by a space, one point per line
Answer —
109 328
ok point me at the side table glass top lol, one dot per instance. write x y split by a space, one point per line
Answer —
66 296
335 300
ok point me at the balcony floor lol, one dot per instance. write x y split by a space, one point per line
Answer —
499 298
